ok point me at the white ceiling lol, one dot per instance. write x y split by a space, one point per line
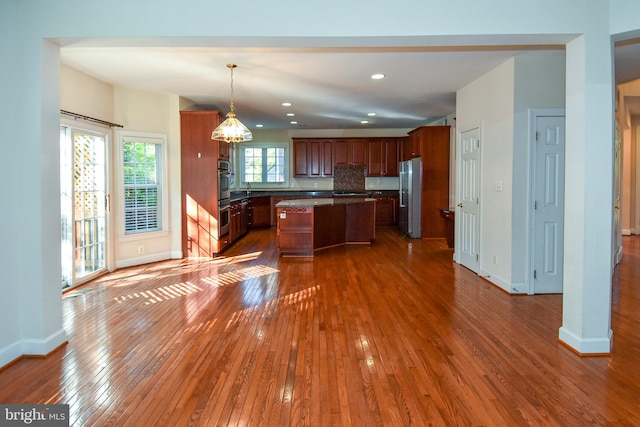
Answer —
330 88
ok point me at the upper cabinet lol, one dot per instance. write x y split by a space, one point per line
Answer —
312 157
411 145
316 157
350 151
382 156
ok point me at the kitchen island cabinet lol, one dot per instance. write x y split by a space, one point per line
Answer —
307 225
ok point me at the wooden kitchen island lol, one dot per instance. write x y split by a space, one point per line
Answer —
307 225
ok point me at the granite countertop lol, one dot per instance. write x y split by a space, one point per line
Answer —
297 203
241 194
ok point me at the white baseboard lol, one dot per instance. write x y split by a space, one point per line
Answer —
32 347
512 288
10 353
163 256
586 346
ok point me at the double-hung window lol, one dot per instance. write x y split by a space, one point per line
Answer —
263 165
142 167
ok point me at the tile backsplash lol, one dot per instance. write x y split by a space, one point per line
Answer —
349 177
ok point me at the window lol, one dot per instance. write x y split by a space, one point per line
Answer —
264 165
142 179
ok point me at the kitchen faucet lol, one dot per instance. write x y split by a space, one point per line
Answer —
248 188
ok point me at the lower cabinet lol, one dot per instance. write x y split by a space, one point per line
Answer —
234 222
259 212
386 210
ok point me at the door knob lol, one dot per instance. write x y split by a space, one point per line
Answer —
460 205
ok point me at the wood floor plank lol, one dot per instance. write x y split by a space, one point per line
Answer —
392 334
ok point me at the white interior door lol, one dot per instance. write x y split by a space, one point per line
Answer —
548 204
468 208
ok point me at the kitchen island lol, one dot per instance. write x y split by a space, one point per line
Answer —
307 225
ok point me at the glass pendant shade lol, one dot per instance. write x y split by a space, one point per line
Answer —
232 129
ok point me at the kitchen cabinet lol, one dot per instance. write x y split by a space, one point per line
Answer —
382 156
386 210
225 149
312 157
435 152
259 212
238 220
306 226
274 201
349 151
412 145
199 183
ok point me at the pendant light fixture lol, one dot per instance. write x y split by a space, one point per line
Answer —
232 129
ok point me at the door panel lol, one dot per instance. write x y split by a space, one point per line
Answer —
548 181
468 218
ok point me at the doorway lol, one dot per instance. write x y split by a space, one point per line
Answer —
83 199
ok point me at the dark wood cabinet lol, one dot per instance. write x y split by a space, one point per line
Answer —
225 150
238 220
199 183
300 157
386 210
274 201
327 157
435 152
244 217
350 151
259 212
411 147
312 157
316 157
382 156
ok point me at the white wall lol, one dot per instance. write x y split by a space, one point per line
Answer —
488 101
137 111
539 83
624 17
86 95
140 111
12 249
500 101
32 30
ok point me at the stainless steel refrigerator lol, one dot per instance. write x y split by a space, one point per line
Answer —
410 194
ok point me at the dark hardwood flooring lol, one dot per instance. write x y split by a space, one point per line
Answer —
394 334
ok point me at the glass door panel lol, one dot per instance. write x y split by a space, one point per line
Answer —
83 195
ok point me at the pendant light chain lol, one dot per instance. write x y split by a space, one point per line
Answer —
232 66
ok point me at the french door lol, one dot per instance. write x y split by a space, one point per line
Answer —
83 192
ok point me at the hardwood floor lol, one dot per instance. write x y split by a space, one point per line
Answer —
394 334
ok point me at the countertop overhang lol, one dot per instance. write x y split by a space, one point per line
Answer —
298 203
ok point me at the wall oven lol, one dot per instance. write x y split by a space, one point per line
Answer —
224 217
224 180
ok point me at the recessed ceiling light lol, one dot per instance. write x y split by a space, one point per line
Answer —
286 104
377 76
371 114
290 114
259 125
294 123
364 122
